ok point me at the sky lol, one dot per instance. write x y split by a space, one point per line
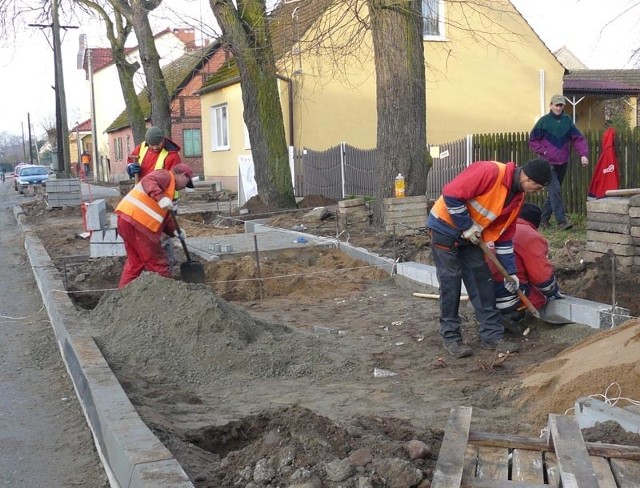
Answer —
600 39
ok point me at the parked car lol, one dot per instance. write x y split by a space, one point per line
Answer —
30 175
15 170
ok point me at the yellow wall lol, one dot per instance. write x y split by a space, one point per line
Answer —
475 84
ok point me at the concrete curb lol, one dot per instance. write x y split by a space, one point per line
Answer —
132 456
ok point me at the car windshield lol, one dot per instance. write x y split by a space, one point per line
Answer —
33 171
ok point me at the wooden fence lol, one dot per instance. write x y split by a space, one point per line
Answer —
345 170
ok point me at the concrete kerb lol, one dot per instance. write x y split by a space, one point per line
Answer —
132 456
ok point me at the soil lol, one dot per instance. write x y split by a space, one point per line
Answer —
326 372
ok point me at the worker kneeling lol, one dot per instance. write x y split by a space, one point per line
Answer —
144 215
535 271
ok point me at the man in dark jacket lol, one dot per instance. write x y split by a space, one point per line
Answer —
551 138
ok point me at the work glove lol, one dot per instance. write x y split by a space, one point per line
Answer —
512 286
180 234
166 203
472 234
584 161
133 169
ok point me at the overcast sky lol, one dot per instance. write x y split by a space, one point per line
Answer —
595 36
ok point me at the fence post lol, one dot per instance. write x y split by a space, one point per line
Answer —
469 149
342 153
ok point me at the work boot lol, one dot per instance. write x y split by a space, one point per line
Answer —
457 348
500 346
566 225
515 322
544 224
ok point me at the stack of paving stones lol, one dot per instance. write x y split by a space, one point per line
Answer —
613 227
104 240
63 193
408 215
352 212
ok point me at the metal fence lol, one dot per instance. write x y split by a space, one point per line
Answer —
344 170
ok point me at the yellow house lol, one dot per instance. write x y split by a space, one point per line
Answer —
486 70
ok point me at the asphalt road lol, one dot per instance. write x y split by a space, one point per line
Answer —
44 438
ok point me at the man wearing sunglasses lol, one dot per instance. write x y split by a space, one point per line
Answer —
551 139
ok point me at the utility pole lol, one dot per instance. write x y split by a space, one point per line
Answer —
30 142
62 128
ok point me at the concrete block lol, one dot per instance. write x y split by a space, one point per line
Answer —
420 199
96 215
635 231
608 227
634 212
354 202
589 411
105 243
112 221
614 205
622 261
63 185
618 249
634 201
64 199
608 217
610 237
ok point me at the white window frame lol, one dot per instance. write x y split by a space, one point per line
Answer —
441 21
220 127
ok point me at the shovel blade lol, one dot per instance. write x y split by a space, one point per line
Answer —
192 272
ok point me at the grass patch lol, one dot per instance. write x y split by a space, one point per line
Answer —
557 238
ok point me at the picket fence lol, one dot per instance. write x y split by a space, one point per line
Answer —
344 171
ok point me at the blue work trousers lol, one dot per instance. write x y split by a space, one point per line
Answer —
457 262
553 202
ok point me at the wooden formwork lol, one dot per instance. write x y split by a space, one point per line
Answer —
563 460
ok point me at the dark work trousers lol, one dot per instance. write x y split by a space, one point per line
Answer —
457 262
553 202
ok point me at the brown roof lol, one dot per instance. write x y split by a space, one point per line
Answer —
602 81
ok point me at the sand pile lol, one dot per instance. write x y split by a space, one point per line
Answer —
585 369
174 332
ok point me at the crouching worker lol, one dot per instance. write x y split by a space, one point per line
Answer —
535 271
143 217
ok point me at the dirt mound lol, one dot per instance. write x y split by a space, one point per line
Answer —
186 334
312 201
591 367
255 205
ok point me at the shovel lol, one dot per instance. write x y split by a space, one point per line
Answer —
191 271
533 310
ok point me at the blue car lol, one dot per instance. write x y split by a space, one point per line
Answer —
31 175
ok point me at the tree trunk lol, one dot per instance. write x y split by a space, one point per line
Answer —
396 29
248 36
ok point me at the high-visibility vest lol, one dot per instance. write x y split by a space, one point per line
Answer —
484 209
161 156
144 209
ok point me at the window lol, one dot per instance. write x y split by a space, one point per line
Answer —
191 143
433 12
118 149
219 128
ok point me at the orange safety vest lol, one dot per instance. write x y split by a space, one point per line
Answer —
484 209
144 209
161 157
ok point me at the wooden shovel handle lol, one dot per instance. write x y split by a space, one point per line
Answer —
498 264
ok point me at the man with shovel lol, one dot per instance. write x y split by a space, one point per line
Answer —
144 215
479 205
535 271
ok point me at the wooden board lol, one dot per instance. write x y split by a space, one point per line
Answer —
448 472
493 463
626 472
603 472
482 483
574 464
527 466
470 462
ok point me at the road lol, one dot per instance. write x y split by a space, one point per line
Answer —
44 438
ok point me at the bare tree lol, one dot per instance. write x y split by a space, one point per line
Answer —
118 30
396 29
245 29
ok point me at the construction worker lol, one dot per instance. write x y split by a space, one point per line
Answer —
144 216
535 271
481 203
155 152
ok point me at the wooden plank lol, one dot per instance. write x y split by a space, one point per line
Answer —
484 483
527 466
448 472
493 463
603 472
470 462
480 438
626 472
551 468
574 464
